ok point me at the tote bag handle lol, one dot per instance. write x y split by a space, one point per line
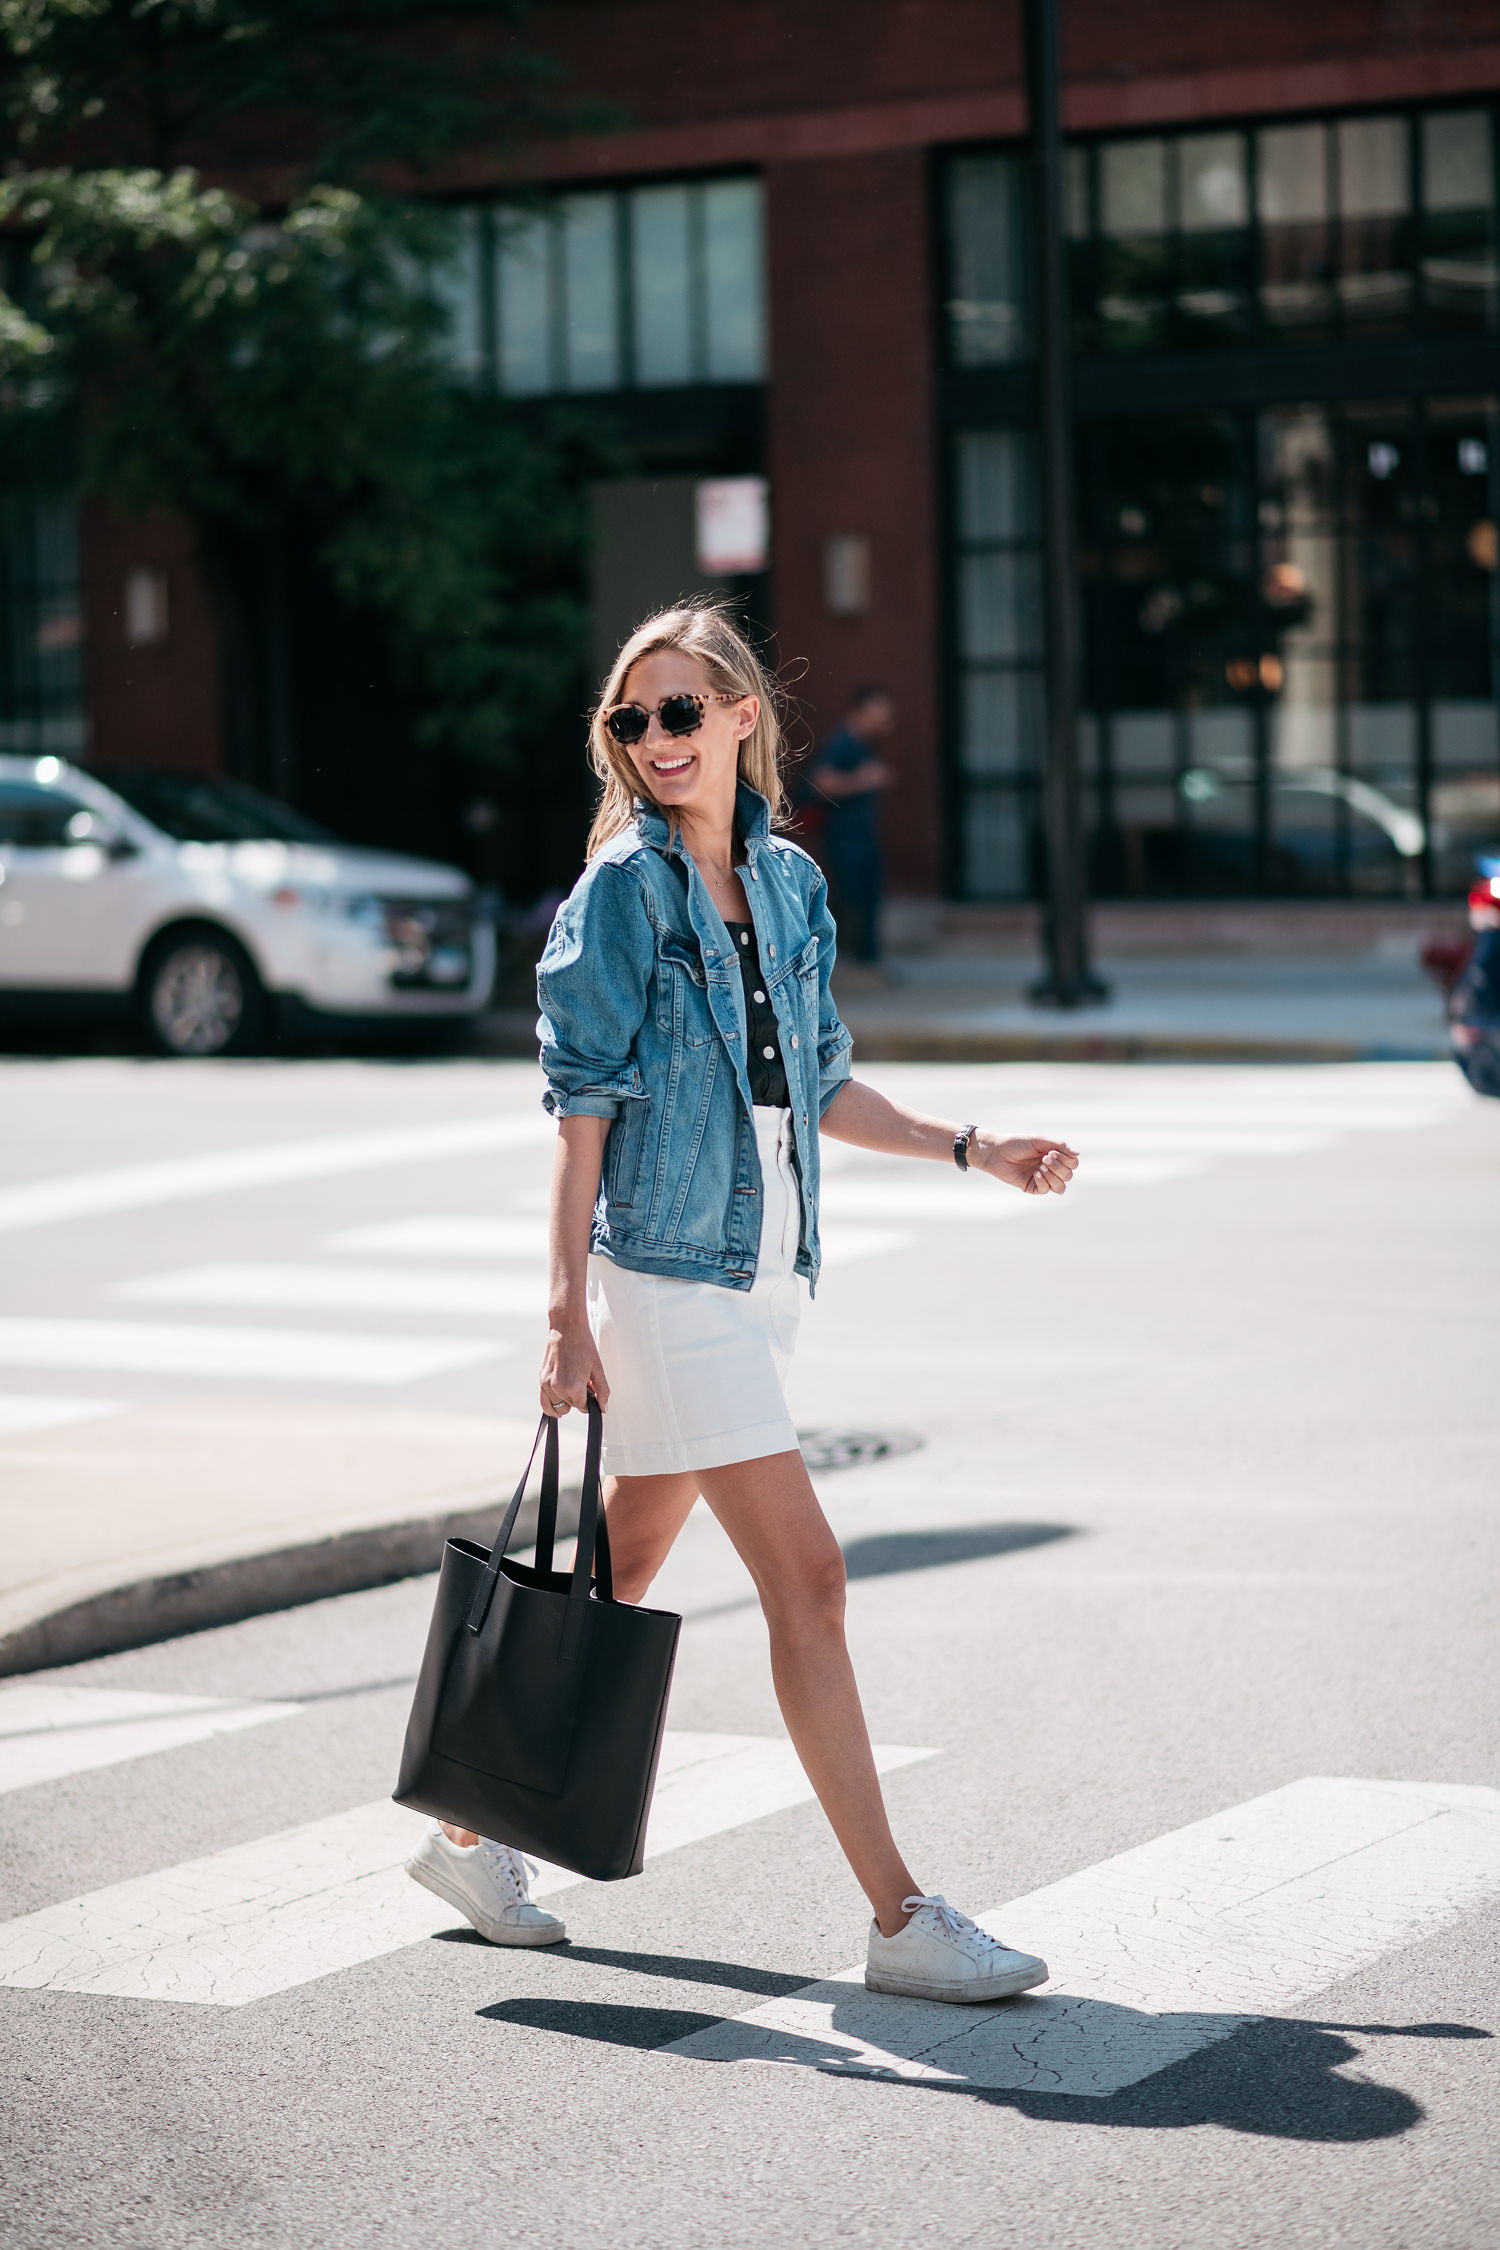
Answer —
591 1560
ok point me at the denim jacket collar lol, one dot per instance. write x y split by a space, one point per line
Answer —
752 820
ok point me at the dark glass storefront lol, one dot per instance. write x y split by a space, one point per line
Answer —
1287 472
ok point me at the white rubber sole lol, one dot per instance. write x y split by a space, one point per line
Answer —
434 1879
960 1995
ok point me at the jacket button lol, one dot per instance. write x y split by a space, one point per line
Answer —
794 1038
773 953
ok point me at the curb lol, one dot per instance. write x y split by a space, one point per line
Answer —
171 1603
163 1608
875 1045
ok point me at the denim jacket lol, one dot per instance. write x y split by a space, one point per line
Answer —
643 1022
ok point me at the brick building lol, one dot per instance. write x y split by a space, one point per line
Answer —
805 262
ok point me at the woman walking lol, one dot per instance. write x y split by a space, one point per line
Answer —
694 1057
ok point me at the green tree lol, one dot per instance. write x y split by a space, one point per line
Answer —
273 368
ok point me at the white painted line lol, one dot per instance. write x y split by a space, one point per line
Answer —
19 1416
1165 1949
455 1237
132 1187
49 1732
1116 1136
1096 1170
896 1195
287 1355
351 1288
847 1245
262 1917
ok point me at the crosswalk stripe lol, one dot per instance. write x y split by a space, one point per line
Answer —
292 1355
344 1288
1165 1949
48 1732
262 1917
445 1237
133 1187
21 1414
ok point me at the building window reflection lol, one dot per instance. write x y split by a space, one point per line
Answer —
1291 651
1355 226
41 648
637 288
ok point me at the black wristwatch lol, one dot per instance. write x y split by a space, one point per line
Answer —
961 1142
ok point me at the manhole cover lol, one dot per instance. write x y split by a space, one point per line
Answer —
847 1449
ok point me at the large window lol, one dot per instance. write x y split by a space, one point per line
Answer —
1316 229
41 645
998 635
1292 627
638 288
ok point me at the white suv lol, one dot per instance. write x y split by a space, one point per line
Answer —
216 910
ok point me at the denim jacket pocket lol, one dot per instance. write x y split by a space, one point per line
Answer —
682 1010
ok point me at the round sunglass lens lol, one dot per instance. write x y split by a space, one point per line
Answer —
628 725
680 714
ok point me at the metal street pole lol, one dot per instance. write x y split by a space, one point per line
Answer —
1069 982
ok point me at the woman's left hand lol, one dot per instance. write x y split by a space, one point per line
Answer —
1035 1166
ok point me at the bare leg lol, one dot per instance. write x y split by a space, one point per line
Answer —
644 1515
770 1511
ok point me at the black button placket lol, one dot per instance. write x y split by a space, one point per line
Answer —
726 1000
771 969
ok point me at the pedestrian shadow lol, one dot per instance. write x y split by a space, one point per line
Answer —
731 1976
1273 2077
881 1554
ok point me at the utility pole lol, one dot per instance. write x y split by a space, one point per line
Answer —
1069 981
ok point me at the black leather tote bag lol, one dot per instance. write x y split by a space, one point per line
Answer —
541 1701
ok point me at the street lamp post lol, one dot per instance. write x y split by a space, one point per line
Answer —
1069 981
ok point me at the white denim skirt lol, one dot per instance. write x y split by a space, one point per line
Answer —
695 1370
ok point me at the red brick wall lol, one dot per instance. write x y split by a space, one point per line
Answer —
851 452
157 705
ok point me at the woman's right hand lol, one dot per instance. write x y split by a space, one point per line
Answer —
571 1368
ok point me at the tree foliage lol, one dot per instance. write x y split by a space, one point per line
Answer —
332 90
261 368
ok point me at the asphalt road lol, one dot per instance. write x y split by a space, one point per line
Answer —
1197 1552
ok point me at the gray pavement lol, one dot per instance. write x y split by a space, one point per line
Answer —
1202 1510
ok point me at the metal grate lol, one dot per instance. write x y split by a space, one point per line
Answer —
850 1449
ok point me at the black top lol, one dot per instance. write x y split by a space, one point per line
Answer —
768 1087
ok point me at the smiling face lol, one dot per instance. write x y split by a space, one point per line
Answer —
693 774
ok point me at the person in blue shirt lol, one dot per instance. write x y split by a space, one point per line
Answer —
849 775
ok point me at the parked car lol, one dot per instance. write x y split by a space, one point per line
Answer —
1474 1004
216 912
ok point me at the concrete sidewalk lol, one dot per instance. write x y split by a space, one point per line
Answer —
118 1533
962 1003
1376 1005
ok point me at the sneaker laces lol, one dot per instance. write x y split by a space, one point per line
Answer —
512 1872
958 1927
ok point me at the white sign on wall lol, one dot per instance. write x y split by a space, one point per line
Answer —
733 525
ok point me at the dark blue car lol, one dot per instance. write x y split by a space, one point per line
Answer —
1474 1004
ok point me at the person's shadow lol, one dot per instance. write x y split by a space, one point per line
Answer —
1051 2058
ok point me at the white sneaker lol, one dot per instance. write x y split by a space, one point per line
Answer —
489 1884
942 1955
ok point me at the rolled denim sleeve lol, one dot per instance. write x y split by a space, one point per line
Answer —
834 1041
591 987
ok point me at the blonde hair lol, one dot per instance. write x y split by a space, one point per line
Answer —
705 630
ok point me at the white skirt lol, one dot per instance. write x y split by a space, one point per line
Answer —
695 1370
